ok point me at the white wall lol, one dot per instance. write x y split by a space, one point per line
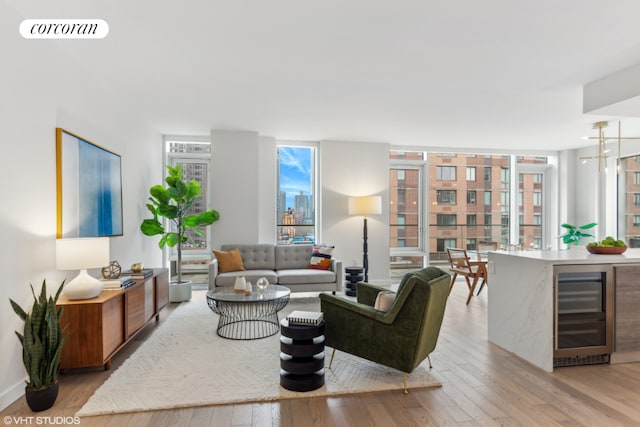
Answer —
38 95
244 192
356 169
235 187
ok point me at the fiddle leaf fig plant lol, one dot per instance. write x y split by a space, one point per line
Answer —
173 203
574 233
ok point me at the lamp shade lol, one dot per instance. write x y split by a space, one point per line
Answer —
82 253
365 205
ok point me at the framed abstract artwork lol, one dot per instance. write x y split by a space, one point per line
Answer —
89 188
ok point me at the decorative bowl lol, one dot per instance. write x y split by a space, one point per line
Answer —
606 250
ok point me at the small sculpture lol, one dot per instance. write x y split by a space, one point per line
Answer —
137 267
240 284
112 271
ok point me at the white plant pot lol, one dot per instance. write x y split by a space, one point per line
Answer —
179 292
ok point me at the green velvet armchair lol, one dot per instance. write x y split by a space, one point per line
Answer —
401 338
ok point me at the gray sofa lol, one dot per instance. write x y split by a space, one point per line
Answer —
284 265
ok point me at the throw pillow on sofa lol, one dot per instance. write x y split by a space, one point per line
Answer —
384 300
229 260
321 257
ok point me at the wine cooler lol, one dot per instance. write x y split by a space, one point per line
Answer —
583 321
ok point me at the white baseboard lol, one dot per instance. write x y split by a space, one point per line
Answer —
12 394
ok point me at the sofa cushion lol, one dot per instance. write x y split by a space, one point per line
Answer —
255 257
227 279
292 256
304 276
229 260
384 300
321 257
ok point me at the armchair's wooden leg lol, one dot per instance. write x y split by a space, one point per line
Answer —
429 359
404 377
331 360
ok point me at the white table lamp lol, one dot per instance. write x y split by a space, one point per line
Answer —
365 205
81 254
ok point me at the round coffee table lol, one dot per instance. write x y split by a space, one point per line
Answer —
248 317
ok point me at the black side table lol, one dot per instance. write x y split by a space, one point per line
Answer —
301 356
353 275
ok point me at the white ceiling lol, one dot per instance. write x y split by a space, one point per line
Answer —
466 73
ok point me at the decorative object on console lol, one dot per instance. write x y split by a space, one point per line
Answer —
137 267
173 203
365 205
42 341
145 273
121 282
81 254
113 271
321 257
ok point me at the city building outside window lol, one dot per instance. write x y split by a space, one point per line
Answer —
443 244
471 197
471 173
446 173
296 200
489 197
472 220
446 197
446 220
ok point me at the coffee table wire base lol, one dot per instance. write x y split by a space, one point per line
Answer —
249 320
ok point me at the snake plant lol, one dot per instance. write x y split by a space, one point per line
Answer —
42 338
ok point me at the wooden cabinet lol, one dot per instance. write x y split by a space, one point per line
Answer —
97 328
627 321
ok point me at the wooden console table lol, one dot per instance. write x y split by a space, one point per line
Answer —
99 327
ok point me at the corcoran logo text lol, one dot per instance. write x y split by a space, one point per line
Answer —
64 29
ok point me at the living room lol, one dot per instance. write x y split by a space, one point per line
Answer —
99 90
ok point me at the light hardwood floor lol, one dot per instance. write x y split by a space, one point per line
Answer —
483 385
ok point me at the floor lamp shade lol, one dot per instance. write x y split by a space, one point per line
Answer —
81 254
365 205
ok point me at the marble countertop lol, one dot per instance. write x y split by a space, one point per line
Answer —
577 255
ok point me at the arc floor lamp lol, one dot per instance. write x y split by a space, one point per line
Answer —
365 205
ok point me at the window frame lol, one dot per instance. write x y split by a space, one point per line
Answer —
313 189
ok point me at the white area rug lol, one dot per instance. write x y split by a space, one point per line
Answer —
185 363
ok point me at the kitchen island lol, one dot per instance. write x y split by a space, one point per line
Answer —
521 304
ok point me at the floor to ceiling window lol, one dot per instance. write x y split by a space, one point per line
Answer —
405 212
194 155
629 201
469 200
296 203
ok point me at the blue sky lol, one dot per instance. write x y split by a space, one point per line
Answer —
295 171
